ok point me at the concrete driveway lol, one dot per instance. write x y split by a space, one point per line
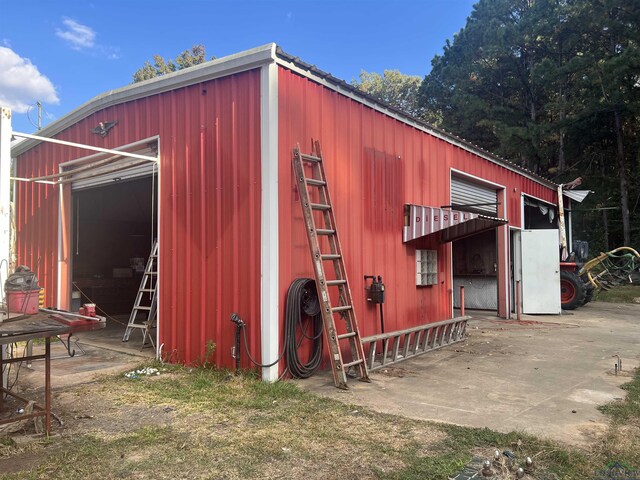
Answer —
545 375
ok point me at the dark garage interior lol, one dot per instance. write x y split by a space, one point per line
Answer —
113 229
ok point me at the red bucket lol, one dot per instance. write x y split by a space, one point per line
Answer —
23 302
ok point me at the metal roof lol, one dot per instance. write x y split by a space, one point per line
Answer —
330 81
252 59
220 67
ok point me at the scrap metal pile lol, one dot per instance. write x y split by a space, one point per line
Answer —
610 269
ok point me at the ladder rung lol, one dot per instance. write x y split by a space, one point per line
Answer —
320 206
351 364
342 308
136 325
330 256
150 273
332 283
147 290
315 182
141 308
325 231
346 335
310 158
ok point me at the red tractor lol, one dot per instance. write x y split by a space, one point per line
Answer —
607 270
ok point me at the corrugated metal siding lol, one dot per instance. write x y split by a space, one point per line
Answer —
209 205
37 220
374 165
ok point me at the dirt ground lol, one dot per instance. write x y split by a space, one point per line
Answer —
545 375
140 432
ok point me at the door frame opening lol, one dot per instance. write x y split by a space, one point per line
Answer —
94 171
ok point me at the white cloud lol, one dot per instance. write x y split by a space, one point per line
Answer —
21 83
78 36
82 37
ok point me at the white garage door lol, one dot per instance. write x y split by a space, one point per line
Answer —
468 195
122 170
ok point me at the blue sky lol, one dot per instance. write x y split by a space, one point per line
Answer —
65 52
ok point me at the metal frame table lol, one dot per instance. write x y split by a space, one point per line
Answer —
31 327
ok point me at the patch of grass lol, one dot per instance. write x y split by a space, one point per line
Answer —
455 451
622 440
197 389
227 426
629 408
621 294
282 416
118 456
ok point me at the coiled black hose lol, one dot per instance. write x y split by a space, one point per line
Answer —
303 309
303 304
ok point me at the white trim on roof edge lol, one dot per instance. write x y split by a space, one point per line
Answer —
401 118
221 67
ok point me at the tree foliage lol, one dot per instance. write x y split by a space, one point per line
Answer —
555 86
160 66
394 88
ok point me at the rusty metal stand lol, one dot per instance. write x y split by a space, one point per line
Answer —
46 324
41 411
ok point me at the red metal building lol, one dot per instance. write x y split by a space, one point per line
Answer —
225 209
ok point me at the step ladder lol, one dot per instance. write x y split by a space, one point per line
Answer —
321 211
145 308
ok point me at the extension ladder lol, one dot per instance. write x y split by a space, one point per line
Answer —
149 309
322 210
404 344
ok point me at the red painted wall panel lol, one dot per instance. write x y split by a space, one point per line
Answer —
209 206
375 164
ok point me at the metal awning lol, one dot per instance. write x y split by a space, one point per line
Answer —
577 195
451 225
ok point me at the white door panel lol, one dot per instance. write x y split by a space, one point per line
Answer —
540 271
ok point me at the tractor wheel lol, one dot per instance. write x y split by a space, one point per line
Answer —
588 293
572 291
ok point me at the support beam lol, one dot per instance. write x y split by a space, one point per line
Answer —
269 254
502 243
564 252
5 194
86 147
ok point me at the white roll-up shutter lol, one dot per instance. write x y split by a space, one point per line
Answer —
467 195
107 175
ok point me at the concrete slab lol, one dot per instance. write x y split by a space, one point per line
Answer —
545 375
68 371
110 338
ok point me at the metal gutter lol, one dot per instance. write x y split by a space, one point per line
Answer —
221 67
327 80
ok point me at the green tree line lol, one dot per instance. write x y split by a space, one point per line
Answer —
553 85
